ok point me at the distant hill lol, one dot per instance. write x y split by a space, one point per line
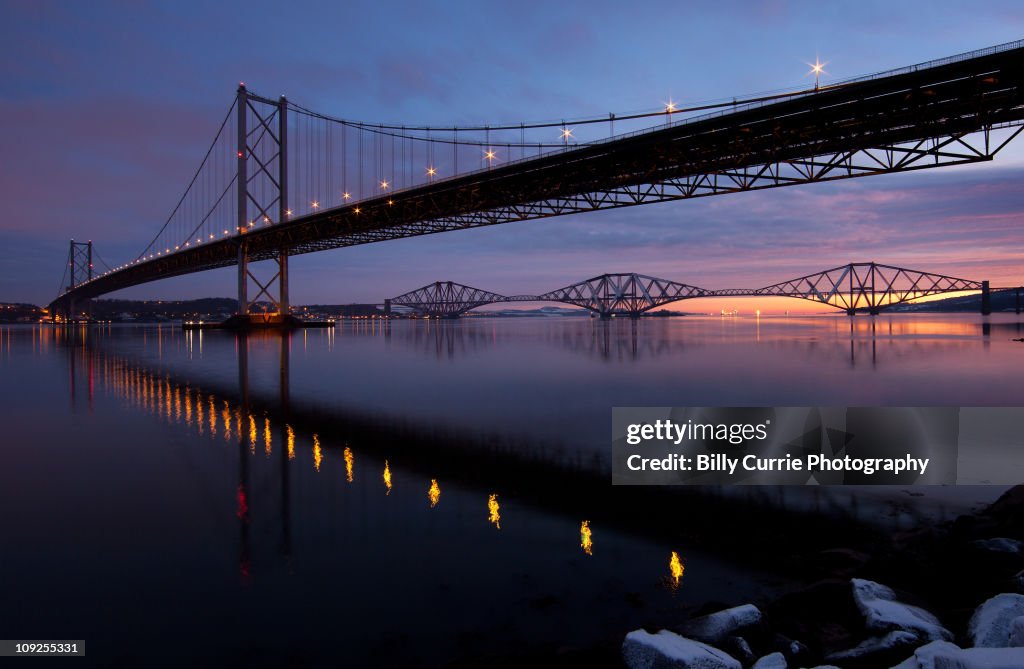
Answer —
1002 300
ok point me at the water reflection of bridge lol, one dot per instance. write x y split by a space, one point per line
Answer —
304 435
630 340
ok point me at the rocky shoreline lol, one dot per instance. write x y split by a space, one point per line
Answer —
935 598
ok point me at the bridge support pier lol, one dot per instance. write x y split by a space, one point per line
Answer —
1017 309
986 299
387 308
851 312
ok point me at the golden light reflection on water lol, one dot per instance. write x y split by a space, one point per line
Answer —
226 418
493 514
675 568
586 539
171 401
349 462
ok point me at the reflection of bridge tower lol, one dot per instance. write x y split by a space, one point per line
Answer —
244 490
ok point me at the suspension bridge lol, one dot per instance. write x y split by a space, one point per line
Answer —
280 179
855 287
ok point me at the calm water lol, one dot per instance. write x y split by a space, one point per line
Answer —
205 493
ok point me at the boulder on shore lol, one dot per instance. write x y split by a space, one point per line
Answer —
716 627
773 661
884 613
945 655
990 624
668 650
878 650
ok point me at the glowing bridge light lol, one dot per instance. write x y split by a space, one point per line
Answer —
346 195
671 107
566 134
357 210
817 69
391 201
288 212
493 514
675 568
490 155
384 184
431 171
586 540
434 494
315 204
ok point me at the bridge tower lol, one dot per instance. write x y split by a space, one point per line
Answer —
262 190
79 271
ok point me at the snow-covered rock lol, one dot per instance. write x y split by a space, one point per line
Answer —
1000 545
667 650
945 655
773 661
990 624
1017 632
883 613
715 627
891 643
738 647
798 649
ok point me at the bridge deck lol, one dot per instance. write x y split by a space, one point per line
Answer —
948 99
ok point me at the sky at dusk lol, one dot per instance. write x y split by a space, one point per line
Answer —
107 108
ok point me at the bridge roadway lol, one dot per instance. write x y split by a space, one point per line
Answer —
917 117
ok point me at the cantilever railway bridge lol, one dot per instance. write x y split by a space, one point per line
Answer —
867 287
280 180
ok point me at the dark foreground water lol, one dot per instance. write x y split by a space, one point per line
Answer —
325 498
